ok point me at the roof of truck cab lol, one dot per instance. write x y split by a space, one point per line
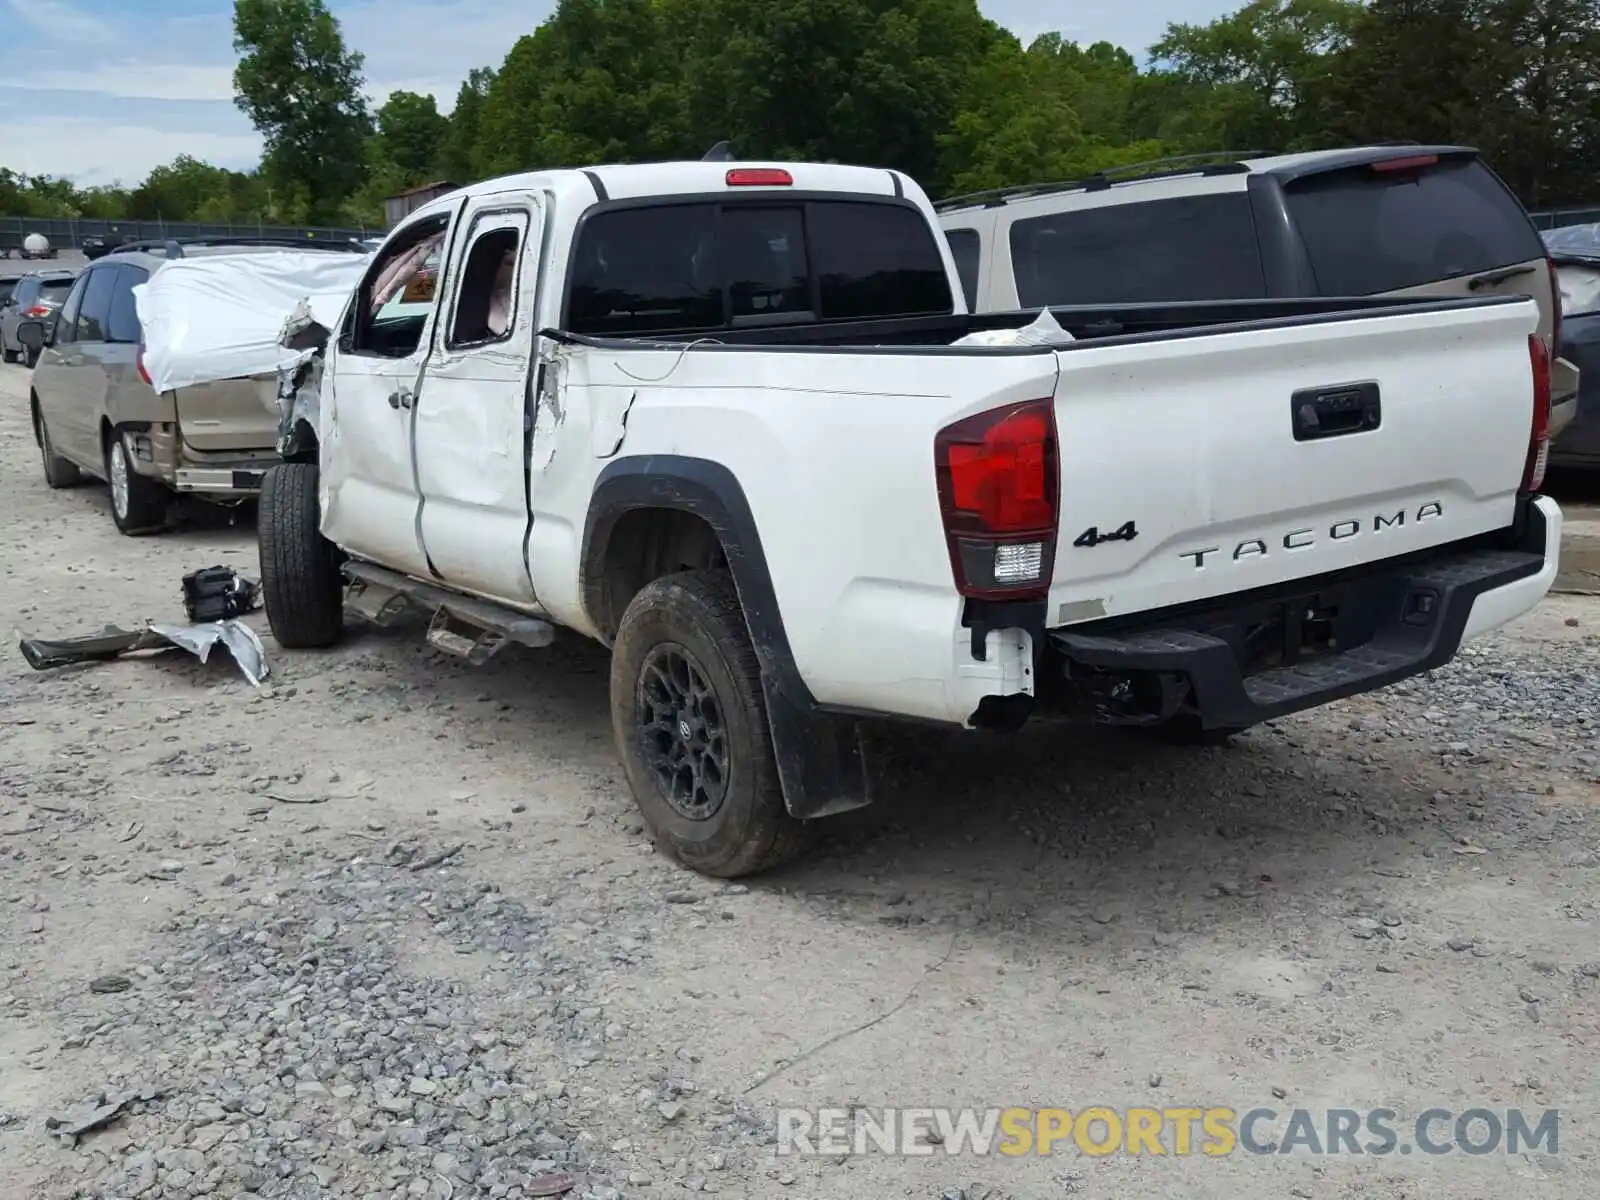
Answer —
629 181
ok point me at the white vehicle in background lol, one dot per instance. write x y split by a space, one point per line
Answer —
738 430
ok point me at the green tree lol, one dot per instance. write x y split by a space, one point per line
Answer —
301 88
600 81
411 135
862 81
458 159
1260 69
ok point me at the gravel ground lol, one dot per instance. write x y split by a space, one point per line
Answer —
389 927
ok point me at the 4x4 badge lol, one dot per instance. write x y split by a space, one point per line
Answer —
1092 536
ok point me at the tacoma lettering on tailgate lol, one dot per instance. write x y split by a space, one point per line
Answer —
1306 539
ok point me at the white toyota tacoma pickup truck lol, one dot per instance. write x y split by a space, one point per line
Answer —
710 415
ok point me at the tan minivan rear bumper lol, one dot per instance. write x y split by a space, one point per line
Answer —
160 452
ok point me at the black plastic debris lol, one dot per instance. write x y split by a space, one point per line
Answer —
219 594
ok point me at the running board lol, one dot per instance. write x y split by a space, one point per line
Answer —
462 626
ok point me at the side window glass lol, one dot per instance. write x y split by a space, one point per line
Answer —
1185 248
646 270
486 294
399 293
964 249
95 309
122 325
67 319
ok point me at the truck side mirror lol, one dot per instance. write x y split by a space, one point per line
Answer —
30 334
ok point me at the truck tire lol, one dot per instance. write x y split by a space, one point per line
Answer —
300 579
691 726
58 472
138 504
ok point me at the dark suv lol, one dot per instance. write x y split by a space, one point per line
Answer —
37 296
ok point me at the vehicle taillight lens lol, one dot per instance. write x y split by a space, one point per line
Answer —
998 495
38 310
1539 432
759 177
138 361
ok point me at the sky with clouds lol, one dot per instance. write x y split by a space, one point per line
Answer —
103 90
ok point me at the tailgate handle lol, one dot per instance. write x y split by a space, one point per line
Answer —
1327 412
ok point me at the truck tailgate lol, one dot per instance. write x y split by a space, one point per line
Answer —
1249 458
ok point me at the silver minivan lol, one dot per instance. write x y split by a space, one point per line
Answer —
95 411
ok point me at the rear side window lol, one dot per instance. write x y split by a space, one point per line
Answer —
696 267
95 310
1373 231
7 286
964 248
1188 248
27 292
122 324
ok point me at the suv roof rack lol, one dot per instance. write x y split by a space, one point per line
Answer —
174 247
1216 162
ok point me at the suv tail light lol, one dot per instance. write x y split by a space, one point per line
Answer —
1555 307
1539 431
138 361
998 497
38 310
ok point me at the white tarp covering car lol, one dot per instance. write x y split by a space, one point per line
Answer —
221 317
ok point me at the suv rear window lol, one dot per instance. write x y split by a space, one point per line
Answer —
689 268
55 289
1186 248
1373 231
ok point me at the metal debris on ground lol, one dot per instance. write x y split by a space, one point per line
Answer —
44 654
214 599
97 1113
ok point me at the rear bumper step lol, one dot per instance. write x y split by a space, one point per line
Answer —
1240 664
219 479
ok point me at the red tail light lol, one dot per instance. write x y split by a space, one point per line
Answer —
1539 432
138 361
759 177
38 310
998 495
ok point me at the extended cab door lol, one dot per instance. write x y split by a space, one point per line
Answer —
472 411
369 389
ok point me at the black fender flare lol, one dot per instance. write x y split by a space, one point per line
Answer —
821 765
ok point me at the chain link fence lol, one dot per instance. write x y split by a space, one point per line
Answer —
68 233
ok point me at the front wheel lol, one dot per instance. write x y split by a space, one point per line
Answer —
300 577
138 504
691 726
